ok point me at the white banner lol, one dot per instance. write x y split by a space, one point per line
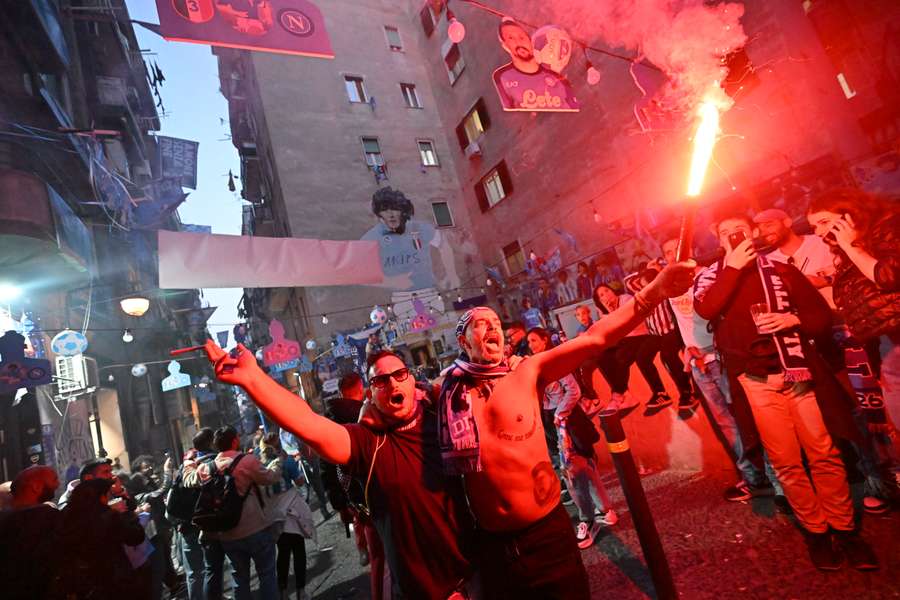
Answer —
195 260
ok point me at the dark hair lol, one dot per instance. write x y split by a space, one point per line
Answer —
349 381
388 198
731 214
864 208
376 356
596 298
515 326
224 438
507 22
87 495
272 439
203 439
543 334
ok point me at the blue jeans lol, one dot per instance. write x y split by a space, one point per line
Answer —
260 548
213 569
188 540
714 386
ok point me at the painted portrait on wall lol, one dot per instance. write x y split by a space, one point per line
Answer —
533 81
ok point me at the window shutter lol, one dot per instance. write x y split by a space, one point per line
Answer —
505 178
481 107
427 23
483 203
461 135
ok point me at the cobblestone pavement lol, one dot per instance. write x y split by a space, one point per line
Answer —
716 549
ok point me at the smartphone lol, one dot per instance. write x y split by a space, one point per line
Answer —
736 238
830 236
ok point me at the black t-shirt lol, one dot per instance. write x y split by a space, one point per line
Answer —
421 514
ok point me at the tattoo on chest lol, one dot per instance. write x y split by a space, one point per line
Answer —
519 437
545 483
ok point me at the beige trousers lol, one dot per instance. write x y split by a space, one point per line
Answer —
789 420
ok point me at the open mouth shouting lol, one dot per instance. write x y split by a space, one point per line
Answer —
396 399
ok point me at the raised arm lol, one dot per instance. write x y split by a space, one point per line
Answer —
555 364
330 440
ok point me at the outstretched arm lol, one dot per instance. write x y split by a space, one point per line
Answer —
330 440
555 364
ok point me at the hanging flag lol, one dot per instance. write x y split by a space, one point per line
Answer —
196 228
222 338
160 200
281 26
178 159
568 238
494 273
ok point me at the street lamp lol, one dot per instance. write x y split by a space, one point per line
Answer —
135 305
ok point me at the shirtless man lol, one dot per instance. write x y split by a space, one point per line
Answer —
491 433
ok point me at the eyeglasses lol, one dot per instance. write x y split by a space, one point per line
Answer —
381 381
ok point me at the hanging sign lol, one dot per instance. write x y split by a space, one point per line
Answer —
176 378
178 159
281 26
16 371
281 350
533 81
284 366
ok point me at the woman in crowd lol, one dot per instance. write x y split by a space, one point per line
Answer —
863 232
289 511
579 464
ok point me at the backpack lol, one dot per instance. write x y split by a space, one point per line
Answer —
219 504
182 501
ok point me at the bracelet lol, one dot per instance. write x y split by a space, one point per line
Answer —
642 305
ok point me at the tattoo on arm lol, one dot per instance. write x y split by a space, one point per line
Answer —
546 484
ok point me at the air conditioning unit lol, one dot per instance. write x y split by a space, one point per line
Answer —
75 375
473 150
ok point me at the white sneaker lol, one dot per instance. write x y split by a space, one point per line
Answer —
606 519
585 534
628 400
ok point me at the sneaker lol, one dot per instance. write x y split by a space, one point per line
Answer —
687 401
744 491
615 401
875 506
658 400
859 554
627 401
822 552
606 519
586 533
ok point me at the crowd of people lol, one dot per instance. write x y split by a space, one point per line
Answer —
455 488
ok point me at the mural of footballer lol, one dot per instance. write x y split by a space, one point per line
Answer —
525 84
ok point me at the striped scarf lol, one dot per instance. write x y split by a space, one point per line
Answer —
460 447
777 295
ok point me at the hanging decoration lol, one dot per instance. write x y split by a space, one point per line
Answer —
423 319
17 371
281 351
529 82
378 316
69 343
282 26
176 378
139 370
311 345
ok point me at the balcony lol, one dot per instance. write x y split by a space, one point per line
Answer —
43 243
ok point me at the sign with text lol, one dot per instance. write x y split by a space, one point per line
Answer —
178 159
281 26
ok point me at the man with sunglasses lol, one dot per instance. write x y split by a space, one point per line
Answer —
420 514
491 434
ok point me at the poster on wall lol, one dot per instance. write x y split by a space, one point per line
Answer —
282 26
533 81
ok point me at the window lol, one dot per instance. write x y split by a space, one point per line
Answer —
514 257
493 187
473 125
410 96
454 62
393 38
428 21
372 148
355 90
426 151
442 216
